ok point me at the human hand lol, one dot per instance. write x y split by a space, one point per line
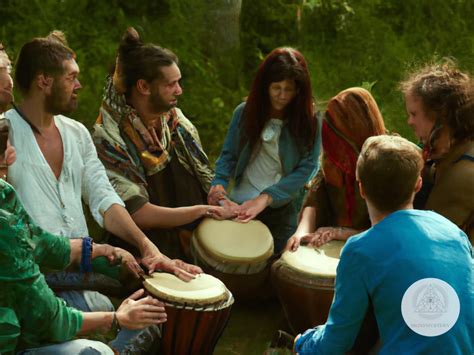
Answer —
251 208
10 155
7 159
294 241
179 268
322 235
136 313
227 210
120 256
216 193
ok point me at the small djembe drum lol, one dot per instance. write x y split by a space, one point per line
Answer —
197 312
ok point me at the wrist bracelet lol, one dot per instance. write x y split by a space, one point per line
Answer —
115 323
86 256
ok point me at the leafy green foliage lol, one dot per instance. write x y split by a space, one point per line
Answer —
367 43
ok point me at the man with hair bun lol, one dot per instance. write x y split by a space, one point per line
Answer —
440 105
414 267
152 152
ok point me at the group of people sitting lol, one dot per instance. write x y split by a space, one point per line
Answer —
147 181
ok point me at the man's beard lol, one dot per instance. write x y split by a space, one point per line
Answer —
4 106
159 105
58 104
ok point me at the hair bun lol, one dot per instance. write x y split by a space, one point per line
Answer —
57 36
130 38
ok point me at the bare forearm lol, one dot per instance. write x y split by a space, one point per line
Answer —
152 216
118 221
76 251
93 321
345 233
307 221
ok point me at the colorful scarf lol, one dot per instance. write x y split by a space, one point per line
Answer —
126 146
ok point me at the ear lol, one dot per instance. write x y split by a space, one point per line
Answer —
361 190
45 83
143 87
419 184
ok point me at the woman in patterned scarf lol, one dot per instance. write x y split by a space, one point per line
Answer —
333 208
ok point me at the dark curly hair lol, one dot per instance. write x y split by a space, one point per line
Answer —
446 92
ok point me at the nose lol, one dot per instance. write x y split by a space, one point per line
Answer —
77 85
179 90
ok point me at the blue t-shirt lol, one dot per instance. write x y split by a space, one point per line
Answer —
381 264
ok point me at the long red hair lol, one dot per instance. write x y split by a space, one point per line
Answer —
281 64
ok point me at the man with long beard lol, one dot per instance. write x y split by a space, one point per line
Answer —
152 152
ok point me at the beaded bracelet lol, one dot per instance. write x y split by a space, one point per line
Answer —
86 256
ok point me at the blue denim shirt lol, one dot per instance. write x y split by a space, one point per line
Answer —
297 166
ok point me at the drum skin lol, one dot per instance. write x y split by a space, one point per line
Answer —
244 266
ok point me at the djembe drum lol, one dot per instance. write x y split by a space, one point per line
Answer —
236 253
304 281
197 312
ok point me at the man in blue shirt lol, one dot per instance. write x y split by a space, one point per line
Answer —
415 267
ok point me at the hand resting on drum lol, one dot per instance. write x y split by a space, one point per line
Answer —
251 208
134 313
138 313
227 210
321 236
179 268
216 194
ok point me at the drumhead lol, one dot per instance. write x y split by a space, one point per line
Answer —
321 262
229 241
204 289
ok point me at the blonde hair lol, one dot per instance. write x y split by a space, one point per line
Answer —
388 169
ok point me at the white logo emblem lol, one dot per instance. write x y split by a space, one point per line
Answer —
430 307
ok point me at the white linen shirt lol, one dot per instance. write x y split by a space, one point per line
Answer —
55 204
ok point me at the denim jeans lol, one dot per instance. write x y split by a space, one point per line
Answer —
127 341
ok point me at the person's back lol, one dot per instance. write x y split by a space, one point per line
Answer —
404 248
413 268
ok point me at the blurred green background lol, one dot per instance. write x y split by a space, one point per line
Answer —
220 43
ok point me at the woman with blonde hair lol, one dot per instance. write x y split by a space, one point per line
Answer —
333 208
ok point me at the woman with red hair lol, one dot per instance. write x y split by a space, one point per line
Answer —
333 208
271 147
